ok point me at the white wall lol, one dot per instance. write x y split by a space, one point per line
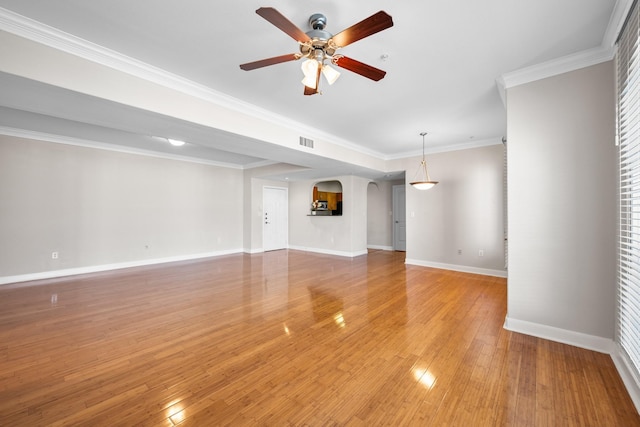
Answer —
562 204
464 212
344 235
96 207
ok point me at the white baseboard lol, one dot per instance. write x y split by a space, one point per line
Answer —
577 339
329 251
631 381
106 267
589 342
455 267
381 248
254 251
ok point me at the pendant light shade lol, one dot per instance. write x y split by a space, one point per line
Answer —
422 180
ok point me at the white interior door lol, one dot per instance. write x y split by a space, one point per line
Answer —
275 220
399 218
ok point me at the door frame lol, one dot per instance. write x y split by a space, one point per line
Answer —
285 211
396 216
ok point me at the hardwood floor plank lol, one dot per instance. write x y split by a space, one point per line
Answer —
289 338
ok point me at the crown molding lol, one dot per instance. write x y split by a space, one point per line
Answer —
449 147
259 164
555 67
618 17
52 37
604 52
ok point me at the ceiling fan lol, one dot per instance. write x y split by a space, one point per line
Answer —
319 45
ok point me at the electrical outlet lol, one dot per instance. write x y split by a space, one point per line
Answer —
54 255
480 252
459 251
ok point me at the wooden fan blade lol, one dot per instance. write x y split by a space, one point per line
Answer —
359 67
280 21
269 61
371 25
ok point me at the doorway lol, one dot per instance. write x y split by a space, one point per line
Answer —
275 221
399 218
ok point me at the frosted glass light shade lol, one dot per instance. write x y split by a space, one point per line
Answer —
423 185
331 74
310 70
423 182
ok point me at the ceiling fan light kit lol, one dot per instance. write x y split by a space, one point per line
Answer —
424 181
319 45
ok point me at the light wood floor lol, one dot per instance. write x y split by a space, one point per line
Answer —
289 338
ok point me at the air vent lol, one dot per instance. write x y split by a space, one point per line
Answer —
306 142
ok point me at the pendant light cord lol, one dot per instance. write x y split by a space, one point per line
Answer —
424 162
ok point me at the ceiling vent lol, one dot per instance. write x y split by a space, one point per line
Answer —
306 142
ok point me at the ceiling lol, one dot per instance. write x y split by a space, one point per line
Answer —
442 60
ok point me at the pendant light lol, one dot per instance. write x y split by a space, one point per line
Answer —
423 181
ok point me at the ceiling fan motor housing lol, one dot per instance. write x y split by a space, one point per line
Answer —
319 37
